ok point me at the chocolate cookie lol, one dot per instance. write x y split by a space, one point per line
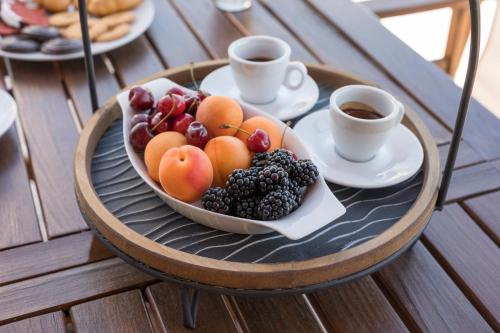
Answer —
61 46
19 44
40 33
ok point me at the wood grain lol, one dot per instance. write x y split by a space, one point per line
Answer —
50 322
486 211
65 288
426 295
466 155
473 180
75 77
258 21
172 37
165 300
358 307
43 258
247 275
333 49
136 61
430 85
276 314
124 312
51 136
451 236
209 24
19 222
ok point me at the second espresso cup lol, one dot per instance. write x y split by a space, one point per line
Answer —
362 120
260 65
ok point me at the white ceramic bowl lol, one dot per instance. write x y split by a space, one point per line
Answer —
8 111
144 15
319 208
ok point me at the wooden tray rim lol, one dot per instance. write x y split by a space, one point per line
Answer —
248 275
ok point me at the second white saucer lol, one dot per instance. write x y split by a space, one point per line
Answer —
398 160
287 105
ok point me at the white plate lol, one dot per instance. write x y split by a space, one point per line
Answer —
319 208
144 15
287 105
8 111
399 159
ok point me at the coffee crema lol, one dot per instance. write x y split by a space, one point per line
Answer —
260 59
360 110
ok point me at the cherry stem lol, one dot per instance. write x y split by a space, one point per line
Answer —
232 126
168 114
191 71
287 126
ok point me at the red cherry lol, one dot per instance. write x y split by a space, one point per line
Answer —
192 103
259 141
139 118
166 105
181 122
197 134
140 136
140 99
202 95
159 124
176 90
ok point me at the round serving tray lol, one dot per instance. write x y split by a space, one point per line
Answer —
137 225
144 13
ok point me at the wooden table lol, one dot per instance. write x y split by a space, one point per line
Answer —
55 274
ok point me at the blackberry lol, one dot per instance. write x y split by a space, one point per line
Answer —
304 172
283 158
247 207
217 200
260 159
275 205
272 178
297 191
242 183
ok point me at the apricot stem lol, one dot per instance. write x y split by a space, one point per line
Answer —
168 114
238 128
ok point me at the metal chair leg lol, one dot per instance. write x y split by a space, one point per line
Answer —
189 306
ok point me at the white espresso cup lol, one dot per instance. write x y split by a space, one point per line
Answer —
359 139
260 65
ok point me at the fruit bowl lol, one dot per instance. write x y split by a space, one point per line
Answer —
319 207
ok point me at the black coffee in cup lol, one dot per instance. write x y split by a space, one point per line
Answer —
360 110
260 59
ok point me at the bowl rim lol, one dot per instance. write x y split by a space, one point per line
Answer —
259 276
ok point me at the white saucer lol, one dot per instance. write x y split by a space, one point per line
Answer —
399 159
8 111
287 105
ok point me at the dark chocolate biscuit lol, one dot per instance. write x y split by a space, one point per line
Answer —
40 33
61 46
19 44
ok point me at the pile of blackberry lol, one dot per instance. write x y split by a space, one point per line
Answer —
271 188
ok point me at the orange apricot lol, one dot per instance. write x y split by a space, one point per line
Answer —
216 111
157 147
265 124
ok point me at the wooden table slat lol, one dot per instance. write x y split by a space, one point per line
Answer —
333 49
473 258
50 322
486 210
466 155
174 41
65 288
58 254
358 307
51 136
426 81
474 180
427 295
123 312
166 303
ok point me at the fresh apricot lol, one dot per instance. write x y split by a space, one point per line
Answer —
227 153
265 124
186 173
157 147
216 111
